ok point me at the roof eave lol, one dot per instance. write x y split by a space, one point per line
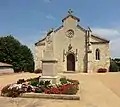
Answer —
107 41
74 17
36 44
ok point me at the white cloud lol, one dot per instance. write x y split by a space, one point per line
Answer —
43 32
114 48
111 34
47 1
50 17
106 33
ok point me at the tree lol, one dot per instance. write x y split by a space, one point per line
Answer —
117 61
13 52
113 66
27 58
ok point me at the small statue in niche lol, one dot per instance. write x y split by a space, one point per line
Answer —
69 47
48 40
49 45
64 54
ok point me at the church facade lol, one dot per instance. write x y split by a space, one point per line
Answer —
75 48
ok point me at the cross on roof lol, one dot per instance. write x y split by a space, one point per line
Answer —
70 11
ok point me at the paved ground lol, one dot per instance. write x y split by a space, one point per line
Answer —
96 90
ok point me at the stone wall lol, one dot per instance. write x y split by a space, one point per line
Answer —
104 61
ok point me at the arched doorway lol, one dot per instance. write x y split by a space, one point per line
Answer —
70 62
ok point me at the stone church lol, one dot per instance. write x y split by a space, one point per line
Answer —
75 48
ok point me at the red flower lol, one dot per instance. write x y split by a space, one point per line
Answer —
63 89
47 91
54 90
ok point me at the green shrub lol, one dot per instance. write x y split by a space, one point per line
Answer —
73 81
32 79
117 61
41 82
113 66
34 83
20 81
47 83
44 84
63 80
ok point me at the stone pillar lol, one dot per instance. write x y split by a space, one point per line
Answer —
49 71
89 69
89 63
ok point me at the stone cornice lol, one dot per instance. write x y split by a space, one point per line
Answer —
99 42
72 16
49 60
58 28
81 28
39 44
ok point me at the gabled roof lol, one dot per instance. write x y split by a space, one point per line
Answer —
4 64
72 16
78 26
105 40
83 29
40 41
58 28
49 32
98 42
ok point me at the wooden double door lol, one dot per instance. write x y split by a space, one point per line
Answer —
70 62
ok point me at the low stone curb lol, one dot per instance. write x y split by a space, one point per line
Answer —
50 96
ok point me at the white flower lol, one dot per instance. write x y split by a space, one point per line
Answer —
17 86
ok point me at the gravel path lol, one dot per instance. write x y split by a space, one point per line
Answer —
96 90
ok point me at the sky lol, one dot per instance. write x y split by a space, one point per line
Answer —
29 20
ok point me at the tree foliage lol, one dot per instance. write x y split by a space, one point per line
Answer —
117 61
113 66
13 52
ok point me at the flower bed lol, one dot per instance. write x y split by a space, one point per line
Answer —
66 86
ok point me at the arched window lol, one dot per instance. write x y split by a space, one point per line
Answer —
97 54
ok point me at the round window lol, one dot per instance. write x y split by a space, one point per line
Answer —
70 33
